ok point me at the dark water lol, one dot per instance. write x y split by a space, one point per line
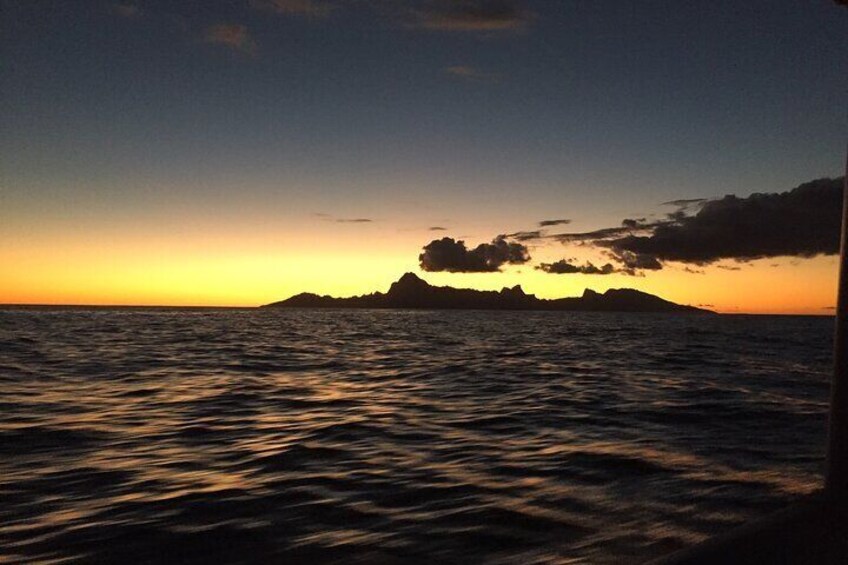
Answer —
386 436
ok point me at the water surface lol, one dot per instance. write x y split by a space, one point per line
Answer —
399 436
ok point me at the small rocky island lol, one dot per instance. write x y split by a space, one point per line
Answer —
413 292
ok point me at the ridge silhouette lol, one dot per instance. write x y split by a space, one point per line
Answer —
411 291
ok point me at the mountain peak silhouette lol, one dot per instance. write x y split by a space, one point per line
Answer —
514 291
410 278
409 282
411 291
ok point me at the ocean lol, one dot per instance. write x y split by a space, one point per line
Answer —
345 436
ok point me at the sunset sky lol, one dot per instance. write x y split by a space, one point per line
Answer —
238 152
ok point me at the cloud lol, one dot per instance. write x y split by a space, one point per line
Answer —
437 228
547 223
631 264
126 10
601 234
685 202
312 8
564 267
802 222
636 261
471 73
633 224
627 227
526 235
472 15
330 218
234 36
448 254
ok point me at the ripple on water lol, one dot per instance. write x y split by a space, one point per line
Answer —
381 436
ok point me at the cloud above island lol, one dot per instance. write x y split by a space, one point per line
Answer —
803 222
633 262
450 255
565 267
628 264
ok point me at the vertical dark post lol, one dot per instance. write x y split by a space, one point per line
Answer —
837 453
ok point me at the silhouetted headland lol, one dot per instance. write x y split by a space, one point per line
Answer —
412 292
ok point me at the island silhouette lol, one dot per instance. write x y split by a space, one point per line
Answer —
412 292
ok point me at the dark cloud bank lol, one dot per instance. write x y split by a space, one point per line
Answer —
803 222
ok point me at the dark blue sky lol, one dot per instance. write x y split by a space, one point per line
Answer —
714 91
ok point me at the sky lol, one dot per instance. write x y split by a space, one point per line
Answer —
237 152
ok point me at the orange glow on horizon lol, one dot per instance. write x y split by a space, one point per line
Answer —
247 261
202 269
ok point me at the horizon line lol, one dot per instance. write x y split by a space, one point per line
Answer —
28 305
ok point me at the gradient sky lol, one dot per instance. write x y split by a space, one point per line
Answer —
213 153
